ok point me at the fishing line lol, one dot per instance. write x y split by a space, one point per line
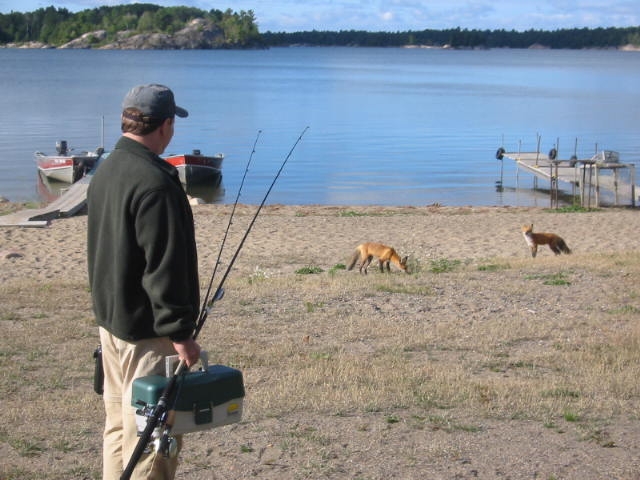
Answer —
224 239
219 290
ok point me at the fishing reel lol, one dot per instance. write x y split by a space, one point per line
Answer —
161 440
166 445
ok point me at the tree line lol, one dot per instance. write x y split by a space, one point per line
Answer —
575 38
57 26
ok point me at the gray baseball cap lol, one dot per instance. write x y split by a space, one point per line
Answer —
153 100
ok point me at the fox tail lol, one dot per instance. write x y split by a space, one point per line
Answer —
564 248
353 260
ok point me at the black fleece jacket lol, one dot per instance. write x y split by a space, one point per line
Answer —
142 259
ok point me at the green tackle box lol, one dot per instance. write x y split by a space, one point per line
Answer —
207 398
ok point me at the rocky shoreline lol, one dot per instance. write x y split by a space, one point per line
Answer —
199 34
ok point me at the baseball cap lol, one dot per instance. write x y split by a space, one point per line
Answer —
153 100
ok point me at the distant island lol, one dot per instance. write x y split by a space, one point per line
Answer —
143 26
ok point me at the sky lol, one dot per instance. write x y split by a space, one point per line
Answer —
396 15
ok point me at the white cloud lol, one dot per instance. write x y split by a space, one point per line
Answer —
387 16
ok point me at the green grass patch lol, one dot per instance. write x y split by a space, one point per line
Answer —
559 278
406 289
492 267
351 213
311 306
443 265
626 310
570 416
560 393
309 270
337 267
572 209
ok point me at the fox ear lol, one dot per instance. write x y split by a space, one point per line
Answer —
404 259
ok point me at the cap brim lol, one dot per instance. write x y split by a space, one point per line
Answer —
181 112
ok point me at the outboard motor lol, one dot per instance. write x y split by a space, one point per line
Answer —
61 147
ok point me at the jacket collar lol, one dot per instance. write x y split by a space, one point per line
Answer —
140 150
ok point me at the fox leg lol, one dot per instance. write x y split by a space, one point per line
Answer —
381 264
365 264
555 249
534 251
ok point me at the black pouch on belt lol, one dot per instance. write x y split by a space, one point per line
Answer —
98 373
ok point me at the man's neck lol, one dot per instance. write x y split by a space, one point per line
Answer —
150 141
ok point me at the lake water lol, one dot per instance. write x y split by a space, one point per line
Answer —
387 126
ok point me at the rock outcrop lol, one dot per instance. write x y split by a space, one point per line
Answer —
199 34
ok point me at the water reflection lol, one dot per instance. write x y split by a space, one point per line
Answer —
208 193
49 190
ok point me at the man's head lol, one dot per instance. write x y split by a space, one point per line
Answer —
155 101
150 108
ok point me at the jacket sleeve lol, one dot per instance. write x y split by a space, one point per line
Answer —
165 232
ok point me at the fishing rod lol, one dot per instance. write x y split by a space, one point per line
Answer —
160 412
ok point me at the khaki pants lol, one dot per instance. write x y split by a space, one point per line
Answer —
124 362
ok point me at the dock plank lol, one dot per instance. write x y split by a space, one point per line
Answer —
67 205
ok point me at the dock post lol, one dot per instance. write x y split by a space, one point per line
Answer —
584 175
576 181
597 186
633 185
590 185
615 185
556 179
553 179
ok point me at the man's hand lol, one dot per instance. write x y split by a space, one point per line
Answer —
188 350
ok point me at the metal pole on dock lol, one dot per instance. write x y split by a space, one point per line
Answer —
518 165
590 185
633 185
584 173
555 185
597 186
551 185
615 184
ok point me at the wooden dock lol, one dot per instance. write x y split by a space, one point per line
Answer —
67 205
592 178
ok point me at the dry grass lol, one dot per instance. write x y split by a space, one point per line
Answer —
488 342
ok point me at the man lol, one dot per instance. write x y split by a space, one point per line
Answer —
143 270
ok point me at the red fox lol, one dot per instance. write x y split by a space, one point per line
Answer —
556 244
366 251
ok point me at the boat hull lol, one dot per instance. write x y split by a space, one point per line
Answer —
68 169
194 169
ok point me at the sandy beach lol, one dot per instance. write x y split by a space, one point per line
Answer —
471 328
285 238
